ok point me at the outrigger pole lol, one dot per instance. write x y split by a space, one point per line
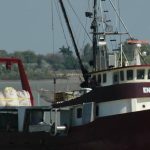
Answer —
84 71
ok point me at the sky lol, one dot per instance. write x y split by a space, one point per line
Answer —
27 24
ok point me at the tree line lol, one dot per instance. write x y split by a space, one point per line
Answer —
39 66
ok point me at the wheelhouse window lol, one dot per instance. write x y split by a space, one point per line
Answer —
148 74
140 74
99 78
104 78
115 77
122 75
79 113
129 74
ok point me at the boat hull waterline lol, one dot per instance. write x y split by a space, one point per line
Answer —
120 132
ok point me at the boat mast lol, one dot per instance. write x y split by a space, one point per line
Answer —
84 71
100 55
94 27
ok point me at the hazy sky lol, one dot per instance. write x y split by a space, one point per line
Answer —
26 24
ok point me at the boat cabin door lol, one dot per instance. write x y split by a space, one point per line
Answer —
88 112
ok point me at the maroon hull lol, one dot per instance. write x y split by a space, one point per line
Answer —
110 93
121 132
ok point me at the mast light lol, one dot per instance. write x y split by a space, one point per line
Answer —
102 41
138 45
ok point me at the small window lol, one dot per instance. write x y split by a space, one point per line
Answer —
79 113
104 77
99 78
115 77
97 111
129 74
121 75
140 74
148 74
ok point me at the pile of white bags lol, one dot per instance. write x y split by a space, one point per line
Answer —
24 98
11 97
2 99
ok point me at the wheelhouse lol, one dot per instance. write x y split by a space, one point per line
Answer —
131 74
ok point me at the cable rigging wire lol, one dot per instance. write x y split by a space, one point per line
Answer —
59 16
63 31
53 39
119 12
104 16
84 38
120 18
53 33
79 19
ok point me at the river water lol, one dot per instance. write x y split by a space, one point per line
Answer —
71 83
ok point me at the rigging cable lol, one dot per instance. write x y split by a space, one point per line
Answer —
84 38
105 17
53 39
59 16
53 33
119 12
79 20
120 37
113 41
120 18
63 31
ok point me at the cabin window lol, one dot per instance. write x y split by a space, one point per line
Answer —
97 111
121 75
104 77
99 78
115 77
129 74
79 113
148 74
140 74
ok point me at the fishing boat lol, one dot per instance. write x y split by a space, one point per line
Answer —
110 112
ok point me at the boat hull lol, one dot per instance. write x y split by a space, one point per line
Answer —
119 132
